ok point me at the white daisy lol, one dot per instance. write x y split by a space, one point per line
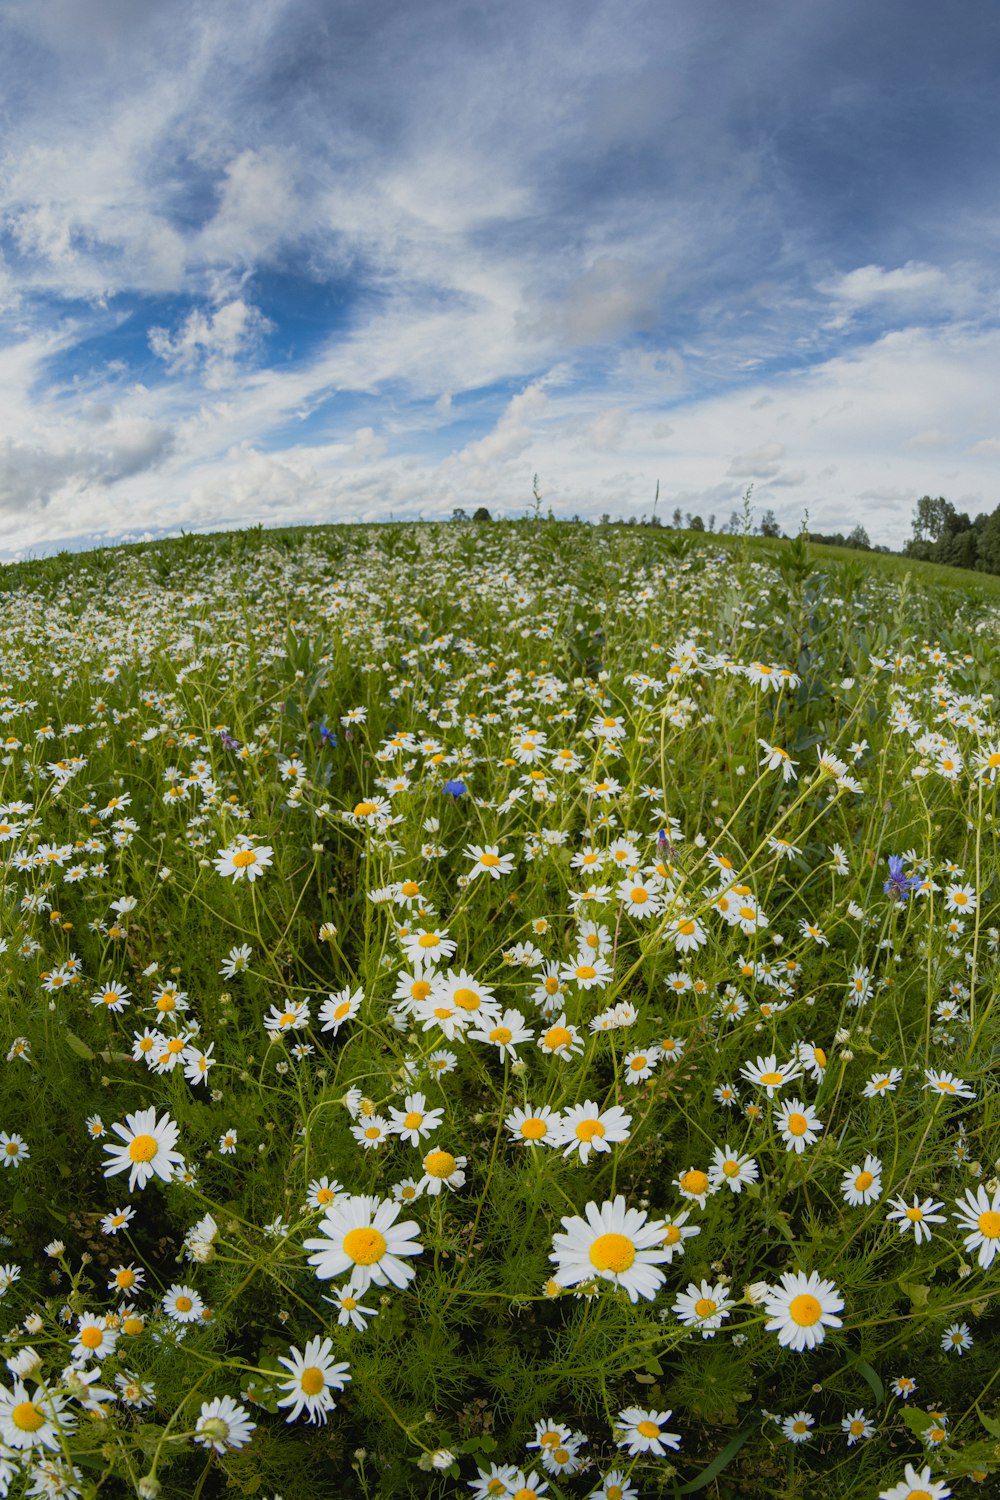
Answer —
979 1212
585 1128
703 1306
361 1236
614 1243
801 1309
314 1378
223 1424
148 1148
643 1431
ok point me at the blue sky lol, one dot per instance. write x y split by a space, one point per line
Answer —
313 260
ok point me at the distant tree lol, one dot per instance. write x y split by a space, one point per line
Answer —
605 519
711 522
934 519
481 514
989 542
768 524
678 519
695 523
458 514
859 538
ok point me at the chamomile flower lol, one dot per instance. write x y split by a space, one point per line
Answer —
644 1431
314 1378
361 1235
35 1420
534 1127
696 1185
95 1337
586 1127
862 1185
371 1133
857 1426
613 1243
223 1424
703 1306
504 1032
638 1066
918 1216
351 1310
801 1309
798 1125
441 1170
13 1150
947 1084
882 1083
956 1338
798 1427
147 1150
182 1304
243 861
339 1008
766 1074
414 1121
561 1039
489 861
979 1213
731 1169
916 1486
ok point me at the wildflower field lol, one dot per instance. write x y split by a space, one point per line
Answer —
503 1010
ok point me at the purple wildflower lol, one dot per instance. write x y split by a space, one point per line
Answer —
899 886
455 788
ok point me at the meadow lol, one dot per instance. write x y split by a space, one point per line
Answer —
502 1009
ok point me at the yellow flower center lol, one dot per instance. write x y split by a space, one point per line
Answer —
694 1182
639 895
183 1303
373 1132
91 1338
489 860
428 940
420 989
587 1129
612 1252
705 1307
409 888
413 1119
989 1224
556 1037
797 1124
363 809
672 1236
440 1164
585 971
914 1215
638 1063
805 1310
125 1277
501 1034
133 1325
534 1129
772 1078
686 928
467 999
863 1181
325 1195
243 858
731 1168
27 1417
364 1246
143 1147
647 1428
747 913
311 1380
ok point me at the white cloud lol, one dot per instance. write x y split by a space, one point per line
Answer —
213 342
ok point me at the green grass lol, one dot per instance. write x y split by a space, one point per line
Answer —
166 702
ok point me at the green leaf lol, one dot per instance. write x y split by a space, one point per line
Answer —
864 1368
990 1423
77 1045
717 1465
917 1292
916 1420
20 1204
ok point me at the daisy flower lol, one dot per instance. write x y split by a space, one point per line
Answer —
338 1008
117 1219
504 1033
243 862
113 997
587 971
223 1424
695 1185
614 1243
406 1191
561 1039
641 898
463 991
916 1486
903 1386
797 1428
361 1236
147 1149
730 1168
533 1127
916 1216
703 1306
643 1431
615 1486
857 1426
798 1125
527 1486
862 1185
372 1132
980 1214
13 1151
801 1309
95 1338
442 1169
947 1084
182 1304
585 1128
687 933
351 1311
675 1231
29 1421
488 861
414 1120
638 1066
313 1379
882 1083
766 1074
428 946
956 1338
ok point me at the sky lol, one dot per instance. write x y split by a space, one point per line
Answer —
290 261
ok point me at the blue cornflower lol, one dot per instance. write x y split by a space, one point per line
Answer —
228 743
899 886
455 788
327 736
